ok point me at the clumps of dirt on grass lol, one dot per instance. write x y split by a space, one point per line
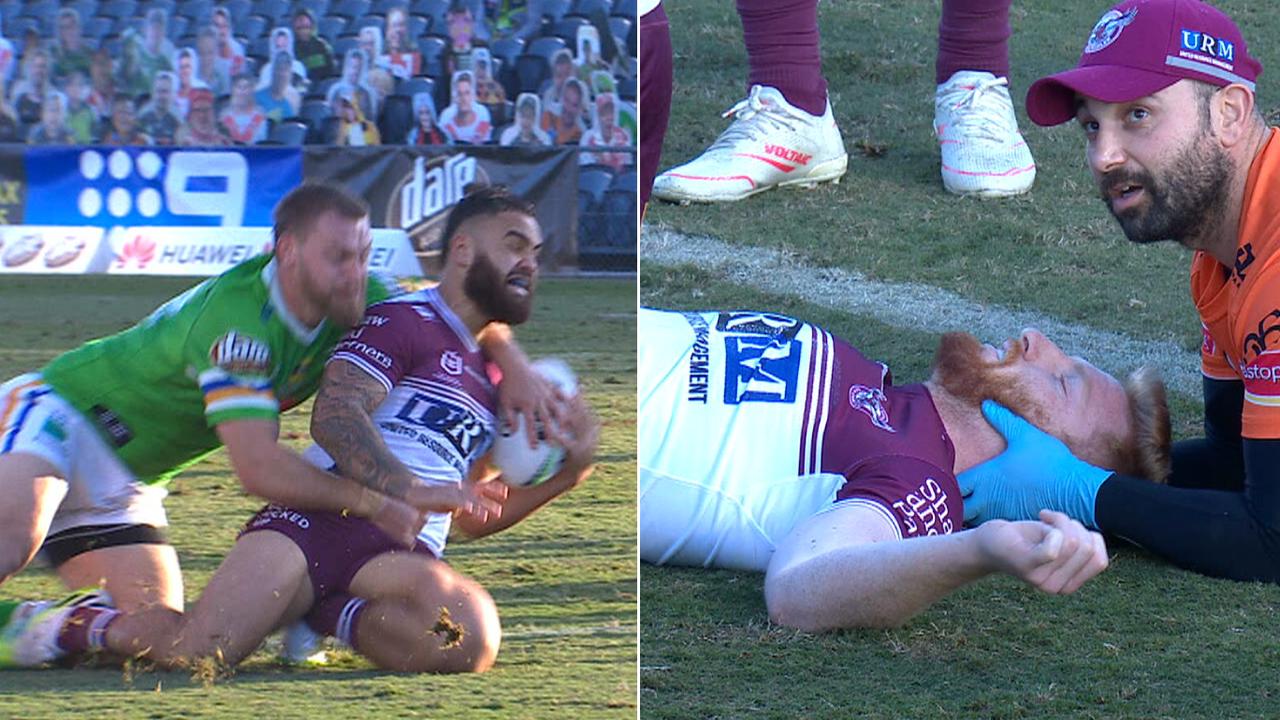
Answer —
451 632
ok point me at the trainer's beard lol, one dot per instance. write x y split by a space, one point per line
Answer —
961 370
1188 200
487 288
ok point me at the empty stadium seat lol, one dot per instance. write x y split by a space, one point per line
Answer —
556 9
273 9
545 47
433 48
351 8
330 27
508 49
395 119
434 9
115 9
532 71
288 132
587 8
414 85
252 27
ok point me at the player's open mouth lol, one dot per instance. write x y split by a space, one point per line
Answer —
519 283
1124 195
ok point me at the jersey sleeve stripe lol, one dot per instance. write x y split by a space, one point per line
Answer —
365 366
253 402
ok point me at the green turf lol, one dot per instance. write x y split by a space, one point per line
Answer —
564 580
1143 640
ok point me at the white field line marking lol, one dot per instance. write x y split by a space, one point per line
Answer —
913 306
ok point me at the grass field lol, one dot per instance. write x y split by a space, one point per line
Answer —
1143 640
564 580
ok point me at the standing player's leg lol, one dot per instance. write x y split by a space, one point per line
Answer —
395 615
783 133
982 151
655 95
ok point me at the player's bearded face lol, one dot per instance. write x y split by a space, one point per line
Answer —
504 297
1180 200
962 369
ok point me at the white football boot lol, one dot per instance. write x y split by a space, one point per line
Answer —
300 645
770 143
30 637
982 151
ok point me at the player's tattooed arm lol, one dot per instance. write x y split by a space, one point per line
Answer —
342 424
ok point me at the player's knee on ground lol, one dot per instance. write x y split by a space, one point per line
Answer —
462 629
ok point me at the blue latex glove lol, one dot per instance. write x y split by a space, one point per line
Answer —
1035 472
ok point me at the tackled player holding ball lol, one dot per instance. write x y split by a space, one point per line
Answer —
406 401
767 443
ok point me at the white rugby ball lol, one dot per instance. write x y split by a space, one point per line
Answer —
522 466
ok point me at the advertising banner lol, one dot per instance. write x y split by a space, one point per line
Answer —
413 188
202 252
132 186
45 249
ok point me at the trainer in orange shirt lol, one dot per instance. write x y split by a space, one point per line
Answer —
1164 92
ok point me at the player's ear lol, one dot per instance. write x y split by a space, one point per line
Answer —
286 249
463 249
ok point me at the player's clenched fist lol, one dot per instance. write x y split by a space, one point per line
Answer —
1055 554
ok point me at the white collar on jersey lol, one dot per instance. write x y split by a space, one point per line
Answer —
451 318
300 331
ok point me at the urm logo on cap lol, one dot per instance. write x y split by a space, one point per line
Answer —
1205 44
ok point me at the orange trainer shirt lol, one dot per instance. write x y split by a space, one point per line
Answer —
1240 308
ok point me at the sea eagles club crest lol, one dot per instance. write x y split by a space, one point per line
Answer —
871 401
1108 29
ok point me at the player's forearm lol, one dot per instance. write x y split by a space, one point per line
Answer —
348 434
499 346
872 585
287 479
521 502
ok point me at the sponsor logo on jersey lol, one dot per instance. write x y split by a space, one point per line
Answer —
463 429
753 323
1261 378
871 402
451 362
364 349
241 354
112 425
760 369
1108 29
699 359
1208 347
1255 343
1244 258
924 511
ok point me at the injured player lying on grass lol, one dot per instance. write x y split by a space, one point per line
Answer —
768 444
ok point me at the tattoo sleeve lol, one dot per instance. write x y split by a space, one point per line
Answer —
342 424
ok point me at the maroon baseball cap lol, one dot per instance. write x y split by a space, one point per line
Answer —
1140 47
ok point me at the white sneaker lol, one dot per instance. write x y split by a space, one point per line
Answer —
302 646
30 638
769 143
982 151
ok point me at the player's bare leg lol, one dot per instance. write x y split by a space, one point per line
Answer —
136 576
261 584
404 627
32 491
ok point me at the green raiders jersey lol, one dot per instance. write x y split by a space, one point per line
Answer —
227 349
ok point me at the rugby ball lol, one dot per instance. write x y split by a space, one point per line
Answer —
522 466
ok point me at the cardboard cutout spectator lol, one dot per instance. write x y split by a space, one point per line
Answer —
313 51
71 52
282 42
123 127
52 129
566 127
605 133
402 57
29 92
228 49
81 118
465 120
525 131
280 100
160 118
201 130
355 67
353 129
426 131
243 120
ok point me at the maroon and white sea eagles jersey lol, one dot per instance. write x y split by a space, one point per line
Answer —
751 422
438 416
